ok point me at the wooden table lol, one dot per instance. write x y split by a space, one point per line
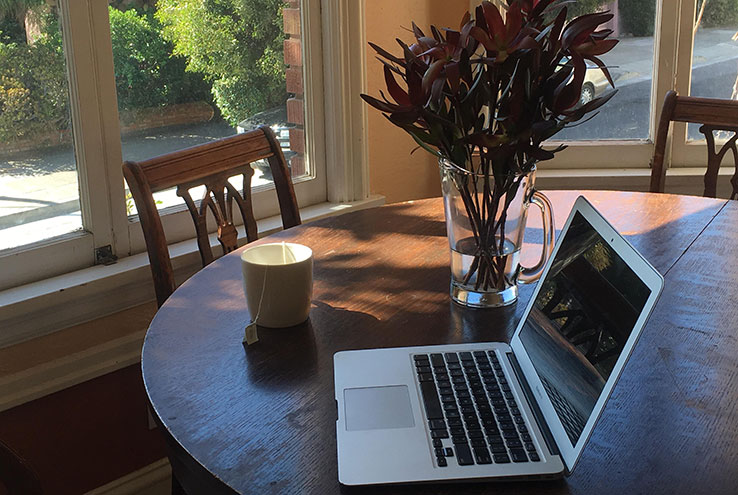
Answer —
262 420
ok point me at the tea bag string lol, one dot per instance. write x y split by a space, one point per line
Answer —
250 334
261 297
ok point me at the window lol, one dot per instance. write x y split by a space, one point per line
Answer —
714 72
689 46
109 124
39 191
626 116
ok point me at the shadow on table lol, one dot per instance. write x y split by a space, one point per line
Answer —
398 222
282 356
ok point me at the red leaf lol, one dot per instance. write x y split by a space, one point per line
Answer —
464 20
436 90
453 37
558 24
432 74
428 42
539 7
580 28
495 24
437 53
567 95
415 83
453 76
379 104
604 69
397 93
514 21
481 36
595 47
384 53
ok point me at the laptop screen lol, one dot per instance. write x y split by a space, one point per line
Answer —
582 316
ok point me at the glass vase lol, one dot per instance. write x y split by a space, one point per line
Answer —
485 223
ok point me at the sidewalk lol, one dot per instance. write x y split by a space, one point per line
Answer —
632 59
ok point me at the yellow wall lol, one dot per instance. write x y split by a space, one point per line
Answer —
395 173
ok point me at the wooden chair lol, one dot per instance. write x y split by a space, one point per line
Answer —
714 115
209 164
16 474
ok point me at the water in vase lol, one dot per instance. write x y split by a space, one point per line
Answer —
488 284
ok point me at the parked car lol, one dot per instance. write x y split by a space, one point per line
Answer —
595 83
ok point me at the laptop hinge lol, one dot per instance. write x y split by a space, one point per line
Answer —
537 414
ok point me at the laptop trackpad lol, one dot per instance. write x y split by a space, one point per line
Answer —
377 408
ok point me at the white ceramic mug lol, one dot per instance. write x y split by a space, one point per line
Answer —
278 283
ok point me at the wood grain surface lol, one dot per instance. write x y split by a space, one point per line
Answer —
262 419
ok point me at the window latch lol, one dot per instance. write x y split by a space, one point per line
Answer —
104 255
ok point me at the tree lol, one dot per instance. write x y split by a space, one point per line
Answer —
19 9
237 44
146 73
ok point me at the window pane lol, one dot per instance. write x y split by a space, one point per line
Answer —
626 116
189 72
39 192
715 53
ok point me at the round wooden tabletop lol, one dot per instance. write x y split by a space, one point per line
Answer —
262 419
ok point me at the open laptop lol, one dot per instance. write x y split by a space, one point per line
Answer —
491 410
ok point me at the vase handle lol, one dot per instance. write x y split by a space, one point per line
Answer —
528 275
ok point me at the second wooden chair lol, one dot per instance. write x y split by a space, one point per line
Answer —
714 115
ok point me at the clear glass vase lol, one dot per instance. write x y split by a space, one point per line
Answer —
485 223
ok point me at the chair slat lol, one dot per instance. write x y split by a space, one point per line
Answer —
204 160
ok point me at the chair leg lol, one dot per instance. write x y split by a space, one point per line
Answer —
176 487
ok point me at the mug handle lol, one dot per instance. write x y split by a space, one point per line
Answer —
528 275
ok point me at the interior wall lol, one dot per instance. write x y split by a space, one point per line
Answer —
85 436
394 172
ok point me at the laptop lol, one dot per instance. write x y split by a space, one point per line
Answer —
489 410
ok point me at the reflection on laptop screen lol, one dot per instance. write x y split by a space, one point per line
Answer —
580 321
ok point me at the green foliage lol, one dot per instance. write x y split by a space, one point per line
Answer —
637 17
236 44
33 87
16 12
146 73
719 13
582 7
11 31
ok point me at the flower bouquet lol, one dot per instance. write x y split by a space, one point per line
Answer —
484 99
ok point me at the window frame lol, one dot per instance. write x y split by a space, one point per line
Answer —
673 44
96 130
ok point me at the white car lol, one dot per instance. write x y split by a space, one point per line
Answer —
595 83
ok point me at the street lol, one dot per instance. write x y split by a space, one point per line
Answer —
626 116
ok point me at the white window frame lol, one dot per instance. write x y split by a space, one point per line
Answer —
86 29
40 281
577 166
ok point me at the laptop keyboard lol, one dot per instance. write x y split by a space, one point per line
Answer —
473 416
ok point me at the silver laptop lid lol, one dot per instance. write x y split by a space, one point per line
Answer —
581 325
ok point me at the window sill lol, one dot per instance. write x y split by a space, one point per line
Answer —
50 340
679 180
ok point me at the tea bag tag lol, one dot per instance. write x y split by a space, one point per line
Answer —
250 336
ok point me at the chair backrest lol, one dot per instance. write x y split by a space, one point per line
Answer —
714 115
16 475
211 165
